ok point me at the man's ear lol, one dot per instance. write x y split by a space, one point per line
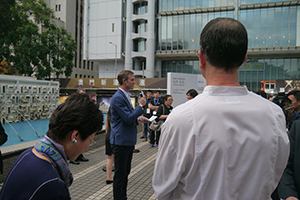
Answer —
202 59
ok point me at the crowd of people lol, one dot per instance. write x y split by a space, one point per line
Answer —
225 143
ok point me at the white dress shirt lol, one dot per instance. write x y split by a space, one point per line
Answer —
226 143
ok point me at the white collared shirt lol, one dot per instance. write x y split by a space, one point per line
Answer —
127 94
226 143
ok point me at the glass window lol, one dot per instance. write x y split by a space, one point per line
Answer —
274 69
254 81
270 23
164 5
241 77
181 5
294 70
175 32
198 4
211 3
187 31
187 4
287 69
280 68
292 25
169 33
250 27
163 33
159 34
205 3
175 5
193 4
263 27
285 26
277 34
170 6
193 40
256 28
218 3
248 79
267 70
180 31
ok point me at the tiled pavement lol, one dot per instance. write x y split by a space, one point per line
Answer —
89 179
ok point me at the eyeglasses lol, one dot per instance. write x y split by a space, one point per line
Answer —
92 141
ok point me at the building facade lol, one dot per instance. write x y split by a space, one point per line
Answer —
69 14
156 37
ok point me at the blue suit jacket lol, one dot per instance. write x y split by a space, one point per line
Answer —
123 120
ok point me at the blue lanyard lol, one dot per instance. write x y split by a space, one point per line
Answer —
155 103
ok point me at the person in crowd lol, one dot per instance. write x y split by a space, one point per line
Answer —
108 151
294 96
3 139
42 172
227 143
162 113
124 120
154 105
263 94
191 94
80 157
147 114
289 185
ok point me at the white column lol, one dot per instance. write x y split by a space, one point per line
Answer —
150 60
128 42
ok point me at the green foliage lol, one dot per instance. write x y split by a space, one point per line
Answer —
32 43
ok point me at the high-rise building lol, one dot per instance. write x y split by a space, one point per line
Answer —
158 36
69 14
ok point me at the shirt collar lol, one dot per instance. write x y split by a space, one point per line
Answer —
127 94
226 90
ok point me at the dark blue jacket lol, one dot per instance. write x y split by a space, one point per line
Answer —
33 178
123 120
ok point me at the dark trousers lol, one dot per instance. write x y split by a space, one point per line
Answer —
154 139
146 130
122 159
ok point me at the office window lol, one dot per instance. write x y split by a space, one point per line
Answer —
112 27
59 7
92 66
55 7
84 76
88 65
75 75
80 76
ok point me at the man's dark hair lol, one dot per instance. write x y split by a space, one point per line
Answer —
156 91
192 92
167 96
296 94
149 91
78 112
123 74
224 42
80 89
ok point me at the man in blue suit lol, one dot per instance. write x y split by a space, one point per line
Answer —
124 120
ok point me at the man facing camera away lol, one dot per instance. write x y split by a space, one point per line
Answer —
228 143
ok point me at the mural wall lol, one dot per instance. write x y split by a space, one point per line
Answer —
24 98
